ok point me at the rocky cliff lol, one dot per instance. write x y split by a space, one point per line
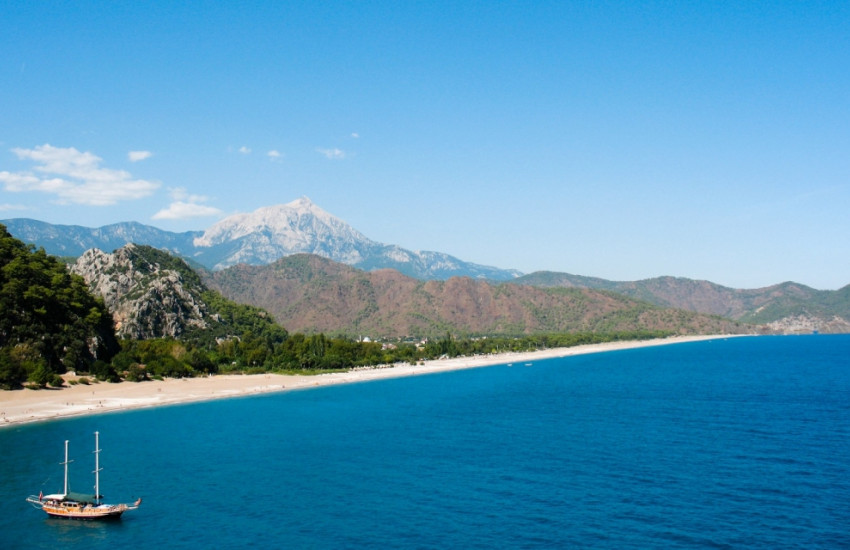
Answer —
148 298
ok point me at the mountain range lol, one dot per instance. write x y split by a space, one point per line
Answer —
308 293
257 238
249 245
785 307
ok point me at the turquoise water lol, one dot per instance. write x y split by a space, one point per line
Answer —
740 443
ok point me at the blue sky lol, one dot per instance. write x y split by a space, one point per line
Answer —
622 140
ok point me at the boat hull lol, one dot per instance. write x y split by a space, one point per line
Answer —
94 514
80 511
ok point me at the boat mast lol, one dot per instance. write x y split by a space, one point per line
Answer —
97 467
66 467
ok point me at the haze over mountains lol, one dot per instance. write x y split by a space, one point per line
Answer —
258 238
263 237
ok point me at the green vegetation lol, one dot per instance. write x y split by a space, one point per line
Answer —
151 359
806 302
49 321
498 344
51 324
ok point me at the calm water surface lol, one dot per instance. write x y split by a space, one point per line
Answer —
740 443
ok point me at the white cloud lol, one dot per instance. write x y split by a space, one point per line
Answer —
186 206
333 154
180 194
136 156
74 177
355 135
180 210
274 154
11 207
245 150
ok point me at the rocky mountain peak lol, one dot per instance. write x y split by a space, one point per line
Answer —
271 232
147 300
258 238
298 223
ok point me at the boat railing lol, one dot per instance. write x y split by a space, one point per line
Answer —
35 501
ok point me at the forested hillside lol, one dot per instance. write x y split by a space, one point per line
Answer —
313 294
170 323
786 307
49 321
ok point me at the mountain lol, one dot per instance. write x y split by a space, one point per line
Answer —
786 307
268 234
73 240
309 293
147 294
152 294
259 238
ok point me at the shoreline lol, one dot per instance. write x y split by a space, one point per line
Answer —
27 406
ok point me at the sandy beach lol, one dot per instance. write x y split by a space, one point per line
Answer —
22 406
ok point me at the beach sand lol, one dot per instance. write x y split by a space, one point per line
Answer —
22 406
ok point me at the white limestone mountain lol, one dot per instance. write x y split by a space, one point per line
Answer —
272 232
268 234
259 238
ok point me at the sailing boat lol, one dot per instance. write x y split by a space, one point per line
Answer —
80 506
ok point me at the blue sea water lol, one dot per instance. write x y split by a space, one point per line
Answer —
739 443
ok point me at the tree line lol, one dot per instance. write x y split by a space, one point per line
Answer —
252 354
50 324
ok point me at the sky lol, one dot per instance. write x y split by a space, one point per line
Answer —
622 140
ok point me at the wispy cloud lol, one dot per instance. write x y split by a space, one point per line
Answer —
12 207
333 154
74 177
245 150
180 210
355 135
136 156
181 194
185 206
274 154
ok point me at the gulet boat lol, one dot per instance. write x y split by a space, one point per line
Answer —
81 506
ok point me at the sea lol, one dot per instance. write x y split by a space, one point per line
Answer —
729 443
